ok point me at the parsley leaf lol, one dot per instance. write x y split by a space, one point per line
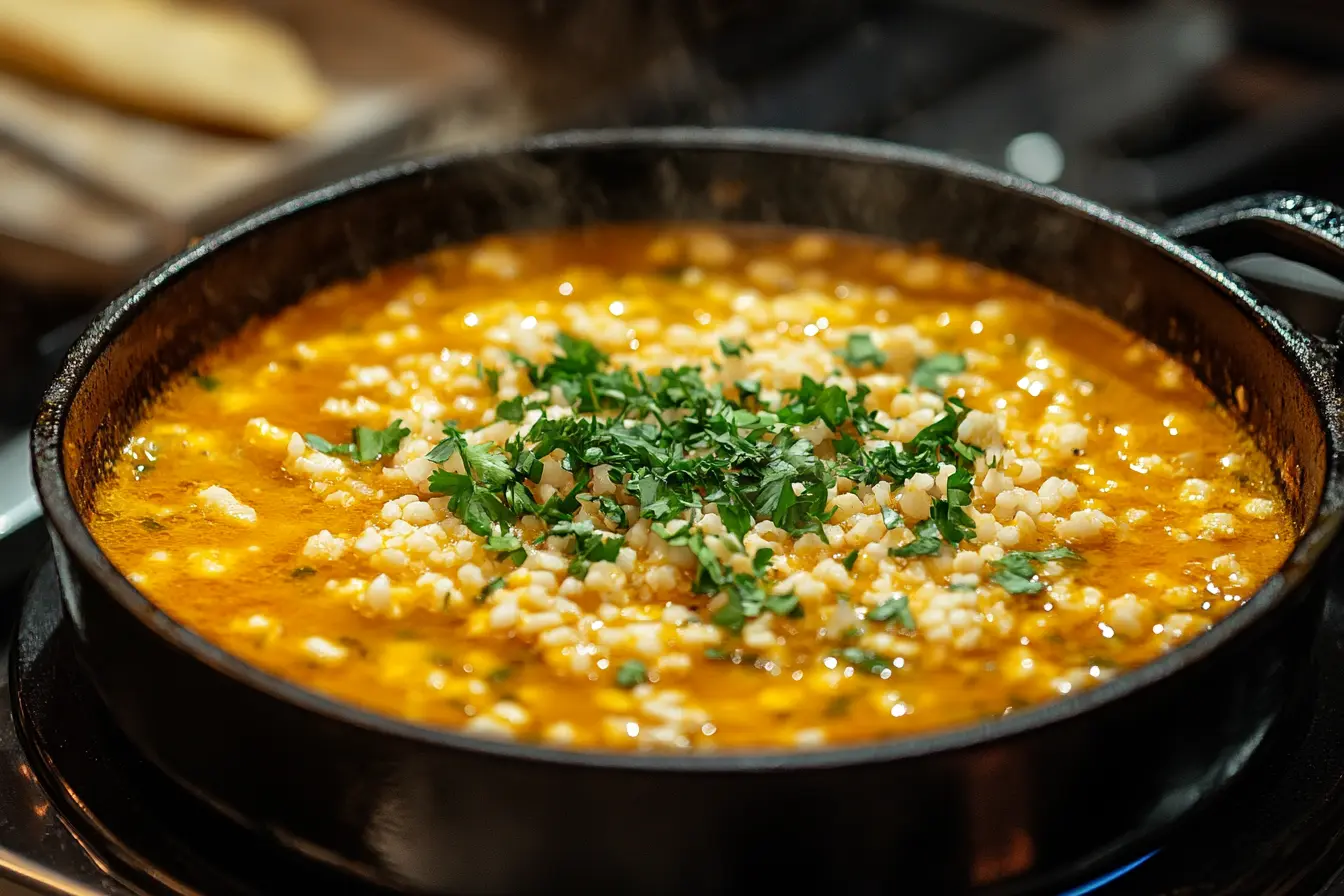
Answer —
1016 572
860 350
482 462
474 496
734 348
489 376
891 519
366 445
631 674
954 523
479 510
896 609
864 660
783 605
590 544
490 588
317 443
931 368
927 541
511 410
612 510
371 444
489 466
206 381
510 546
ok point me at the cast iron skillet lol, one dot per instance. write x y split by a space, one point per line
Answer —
1036 798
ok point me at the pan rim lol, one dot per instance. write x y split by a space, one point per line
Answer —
69 529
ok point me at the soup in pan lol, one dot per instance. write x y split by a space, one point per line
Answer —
687 489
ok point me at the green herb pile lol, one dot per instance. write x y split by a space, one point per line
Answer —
678 444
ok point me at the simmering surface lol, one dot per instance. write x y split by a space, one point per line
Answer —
679 489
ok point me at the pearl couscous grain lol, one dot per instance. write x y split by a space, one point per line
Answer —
692 489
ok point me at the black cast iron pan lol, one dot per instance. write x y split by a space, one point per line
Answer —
1035 799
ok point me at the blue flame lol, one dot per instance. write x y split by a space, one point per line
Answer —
1109 877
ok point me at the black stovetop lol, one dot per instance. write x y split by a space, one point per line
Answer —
83 814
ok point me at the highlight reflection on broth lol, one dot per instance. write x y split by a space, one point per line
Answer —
644 488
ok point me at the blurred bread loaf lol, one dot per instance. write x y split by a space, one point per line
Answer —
210 65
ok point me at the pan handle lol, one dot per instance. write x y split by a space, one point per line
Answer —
1291 226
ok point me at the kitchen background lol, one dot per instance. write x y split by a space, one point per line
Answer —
1154 107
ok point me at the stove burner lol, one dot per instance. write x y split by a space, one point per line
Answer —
1110 878
81 805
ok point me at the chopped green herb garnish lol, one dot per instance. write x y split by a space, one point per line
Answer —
783 605
952 521
489 376
631 674
500 674
930 369
612 510
472 495
927 541
206 381
1016 572
366 445
734 348
864 660
897 610
510 546
152 525
590 544
511 410
839 706
682 447
490 588
860 350
848 562
302 572
317 443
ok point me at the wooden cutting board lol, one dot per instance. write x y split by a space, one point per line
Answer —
91 196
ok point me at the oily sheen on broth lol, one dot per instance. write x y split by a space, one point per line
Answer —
689 489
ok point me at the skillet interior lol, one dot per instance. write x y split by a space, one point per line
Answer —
1258 366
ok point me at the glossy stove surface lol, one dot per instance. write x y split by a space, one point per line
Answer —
81 814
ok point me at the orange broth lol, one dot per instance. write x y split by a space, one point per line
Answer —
357 580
